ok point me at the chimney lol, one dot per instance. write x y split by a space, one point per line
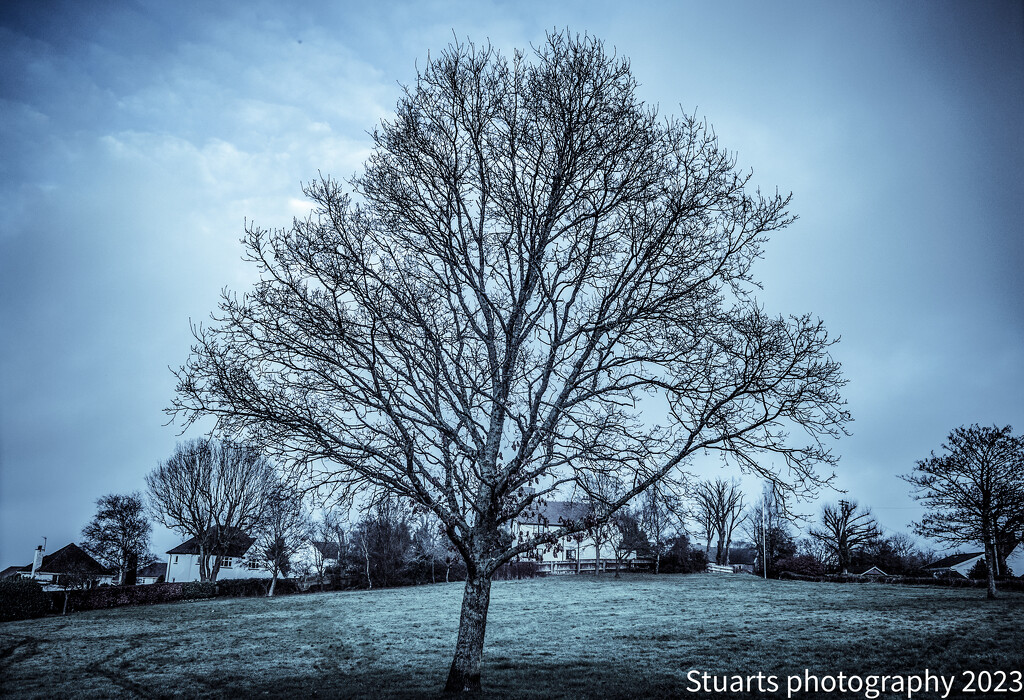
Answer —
37 561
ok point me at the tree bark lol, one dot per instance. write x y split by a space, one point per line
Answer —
990 557
273 582
464 675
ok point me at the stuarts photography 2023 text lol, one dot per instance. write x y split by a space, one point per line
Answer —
922 685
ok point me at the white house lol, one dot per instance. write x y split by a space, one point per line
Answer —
237 560
574 554
963 563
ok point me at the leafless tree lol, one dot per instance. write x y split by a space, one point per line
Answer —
627 537
282 531
535 254
211 491
662 517
845 529
974 491
118 535
332 539
768 526
719 510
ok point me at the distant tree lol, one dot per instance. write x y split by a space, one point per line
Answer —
719 504
682 558
897 554
282 532
428 544
211 491
662 517
767 525
627 538
972 492
118 535
383 540
844 530
803 564
530 248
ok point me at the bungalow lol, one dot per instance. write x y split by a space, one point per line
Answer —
962 564
68 567
237 560
574 554
867 571
153 573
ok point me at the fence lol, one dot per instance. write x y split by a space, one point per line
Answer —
589 566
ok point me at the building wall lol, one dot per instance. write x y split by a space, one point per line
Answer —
185 567
570 550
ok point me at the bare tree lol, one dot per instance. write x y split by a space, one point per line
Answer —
845 530
768 526
211 491
282 531
627 537
534 250
118 535
662 517
719 510
974 491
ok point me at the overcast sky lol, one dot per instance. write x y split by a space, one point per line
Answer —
136 137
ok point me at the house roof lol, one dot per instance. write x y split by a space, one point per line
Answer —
862 570
69 559
10 571
554 512
154 570
236 545
952 560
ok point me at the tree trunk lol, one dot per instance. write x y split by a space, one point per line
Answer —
990 564
273 582
464 675
657 561
204 564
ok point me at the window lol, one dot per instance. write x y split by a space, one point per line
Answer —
570 554
175 558
226 564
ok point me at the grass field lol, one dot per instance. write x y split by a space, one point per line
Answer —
555 637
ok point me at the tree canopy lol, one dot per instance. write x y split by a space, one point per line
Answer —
535 279
973 491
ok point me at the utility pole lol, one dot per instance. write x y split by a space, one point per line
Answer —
764 538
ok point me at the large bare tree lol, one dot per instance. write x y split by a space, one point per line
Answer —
212 491
974 491
719 509
845 528
538 278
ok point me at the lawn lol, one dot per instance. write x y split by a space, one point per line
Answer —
556 637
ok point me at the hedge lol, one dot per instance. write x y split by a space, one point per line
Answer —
117 596
1010 584
150 594
21 599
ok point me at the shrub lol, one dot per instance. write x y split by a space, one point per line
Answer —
243 587
22 599
190 590
979 570
516 570
803 564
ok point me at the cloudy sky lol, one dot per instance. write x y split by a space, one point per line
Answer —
136 138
